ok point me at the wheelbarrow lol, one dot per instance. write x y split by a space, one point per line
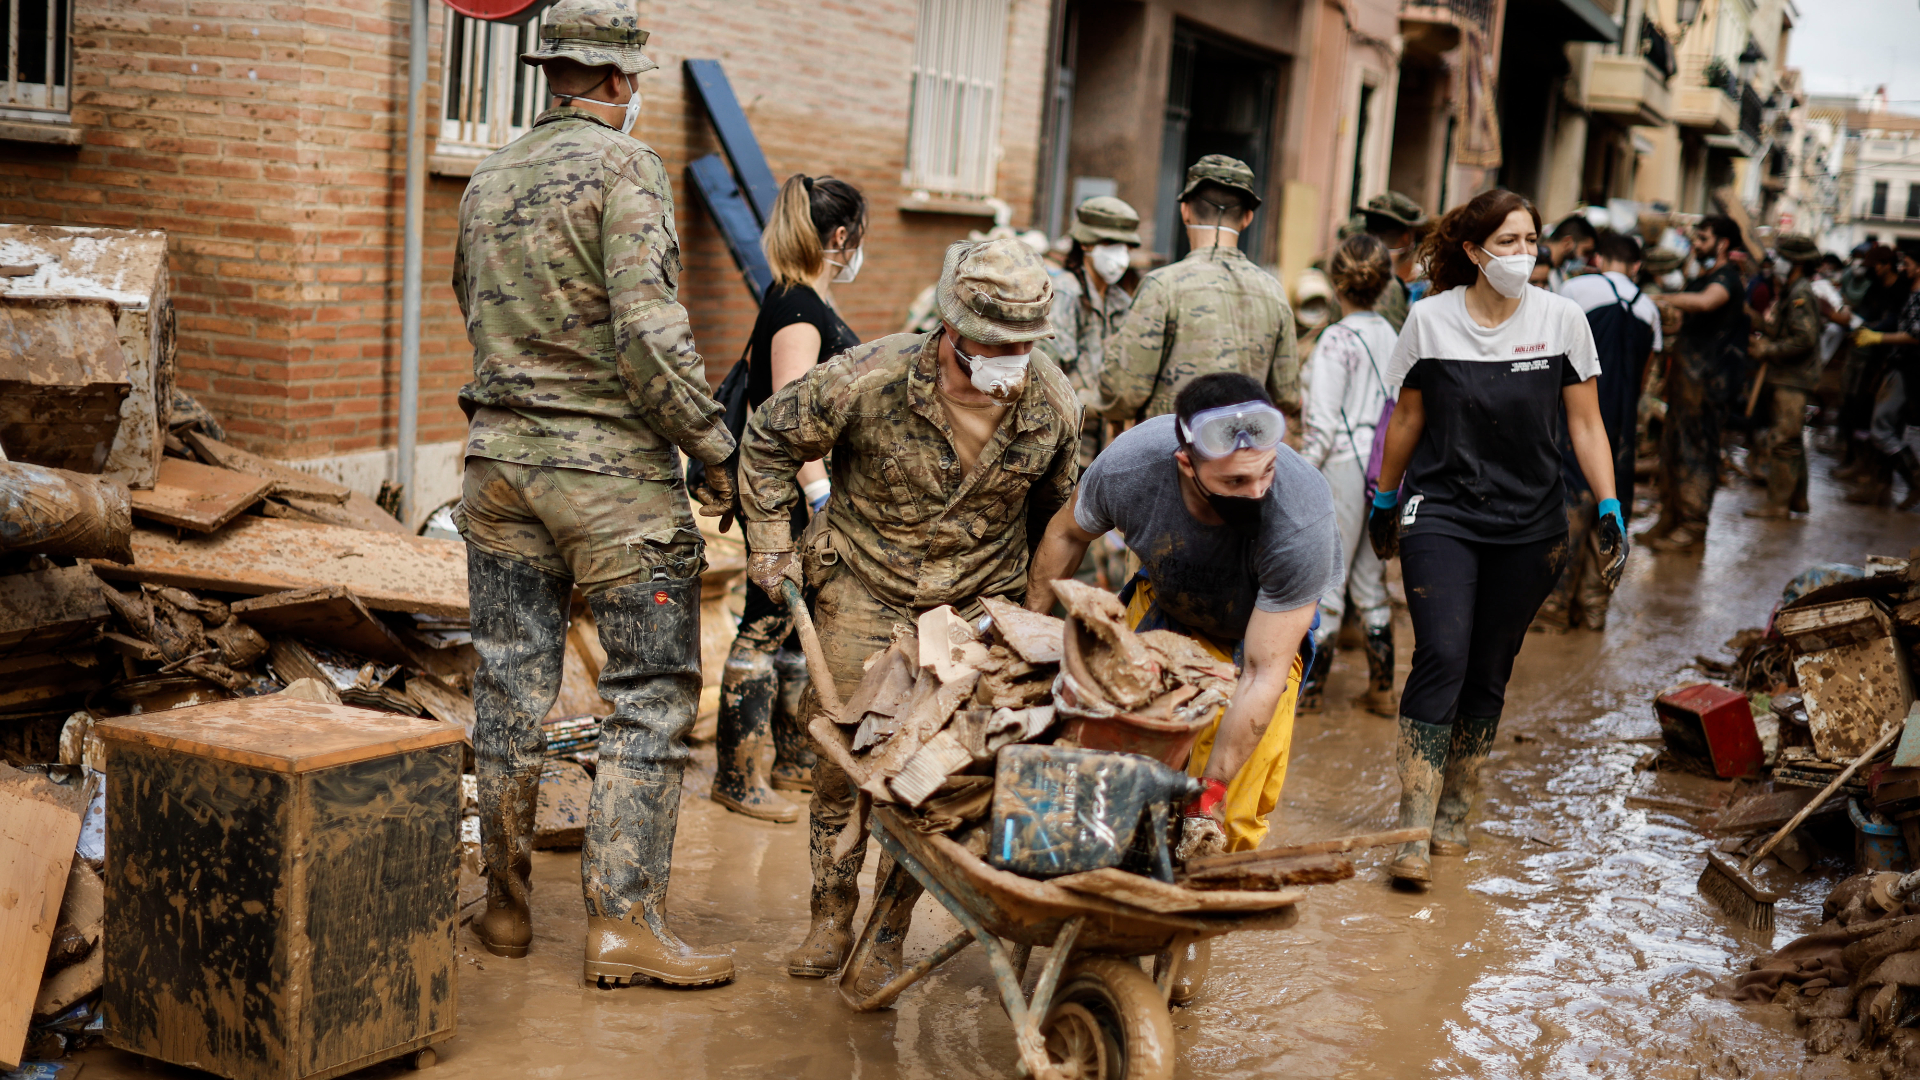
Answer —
1094 1013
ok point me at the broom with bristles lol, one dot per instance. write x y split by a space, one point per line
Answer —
1731 886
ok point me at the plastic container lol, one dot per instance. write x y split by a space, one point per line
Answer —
1063 811
1876 846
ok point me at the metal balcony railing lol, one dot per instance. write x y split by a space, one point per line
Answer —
1749 111
39 59
1657 49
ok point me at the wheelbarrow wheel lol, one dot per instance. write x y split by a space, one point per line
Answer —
1109 1022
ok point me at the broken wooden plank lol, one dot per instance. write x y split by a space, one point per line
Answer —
1315 847
358 512
1035 637
286 479
443 702
1145 892
560 819
1273 873
45 609
1767 810
198 497
328 615
39 825
257 555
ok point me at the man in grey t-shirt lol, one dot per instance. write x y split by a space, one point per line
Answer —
1237 542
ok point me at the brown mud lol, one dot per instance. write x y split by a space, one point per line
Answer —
1570 942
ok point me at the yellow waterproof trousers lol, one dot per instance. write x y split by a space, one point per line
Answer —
1255 790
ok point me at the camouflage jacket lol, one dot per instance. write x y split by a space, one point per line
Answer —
1392 305
567 270
904 519
1082 325
1790 338
1214 310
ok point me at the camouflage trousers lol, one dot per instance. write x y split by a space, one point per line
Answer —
1689 452
1784 443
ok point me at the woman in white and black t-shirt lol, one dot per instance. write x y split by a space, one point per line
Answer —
1482 369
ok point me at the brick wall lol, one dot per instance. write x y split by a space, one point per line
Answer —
268 140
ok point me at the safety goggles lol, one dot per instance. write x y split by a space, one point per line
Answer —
1247 425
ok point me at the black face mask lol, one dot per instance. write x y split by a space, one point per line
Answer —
1238 511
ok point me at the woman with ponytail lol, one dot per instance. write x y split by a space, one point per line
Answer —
1486 370
812 243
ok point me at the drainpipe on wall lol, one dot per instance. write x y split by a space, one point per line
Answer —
409 417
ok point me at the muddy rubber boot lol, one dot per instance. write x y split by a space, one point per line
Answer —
1420 755
628 858
1684 539
1313 686
1907 464
519 631
507 805
747 689
887 960
1380 700
793 753
1460 787
651 631
1192 976
1780 490
836 893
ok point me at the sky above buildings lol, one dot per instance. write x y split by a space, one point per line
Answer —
1852 46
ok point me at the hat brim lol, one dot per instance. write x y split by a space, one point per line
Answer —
1385 215
1094 234
630 61
1194 185
969 323
1805 257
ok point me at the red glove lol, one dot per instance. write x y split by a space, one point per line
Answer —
1203 804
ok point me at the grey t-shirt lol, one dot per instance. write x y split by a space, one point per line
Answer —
1211 577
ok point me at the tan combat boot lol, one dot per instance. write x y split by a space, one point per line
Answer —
621 950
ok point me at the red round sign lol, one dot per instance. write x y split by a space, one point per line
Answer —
496 10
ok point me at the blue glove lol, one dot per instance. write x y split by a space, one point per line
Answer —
1386 500
1613 542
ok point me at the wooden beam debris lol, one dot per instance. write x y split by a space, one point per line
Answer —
200 497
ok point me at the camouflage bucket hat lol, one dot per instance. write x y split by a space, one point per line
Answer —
1104 218
1795 247
995 292
595 33
1659 260
1397 208
1225 171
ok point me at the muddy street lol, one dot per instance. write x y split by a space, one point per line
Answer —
1571 941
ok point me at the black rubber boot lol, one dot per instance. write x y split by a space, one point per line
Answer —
1380 700
747 690
1421 756
793 753
1313 685
1907 464
1460 789
520 621
651 632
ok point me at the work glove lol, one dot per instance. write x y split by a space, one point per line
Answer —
715 492
1864 337
1613 542
1382 528
1200 831
817 494
768 569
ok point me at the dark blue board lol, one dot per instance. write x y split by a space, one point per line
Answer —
714 185
736 136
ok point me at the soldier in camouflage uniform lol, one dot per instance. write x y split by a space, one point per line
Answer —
1788 342
585 380
1088 308
936 484
1214 310
1395 221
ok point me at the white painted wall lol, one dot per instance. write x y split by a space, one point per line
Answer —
437 469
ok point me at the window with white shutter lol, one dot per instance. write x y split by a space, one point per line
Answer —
491 98
39 60
953 130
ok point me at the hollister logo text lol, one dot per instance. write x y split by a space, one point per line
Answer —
1540 346
1528 365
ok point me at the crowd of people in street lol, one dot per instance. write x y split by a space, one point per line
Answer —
1479 411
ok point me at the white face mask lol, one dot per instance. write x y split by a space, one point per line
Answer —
1781 268
1707 262
999 377
849 269
1673 281
1110 261
1507 274
632 106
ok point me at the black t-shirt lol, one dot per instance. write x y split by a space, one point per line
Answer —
782 307
1487 466
1705 329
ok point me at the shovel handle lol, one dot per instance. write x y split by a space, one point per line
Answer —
810 645
1806 811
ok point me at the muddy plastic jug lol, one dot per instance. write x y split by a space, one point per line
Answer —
1063 811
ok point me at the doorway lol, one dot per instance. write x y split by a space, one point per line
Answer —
1220 100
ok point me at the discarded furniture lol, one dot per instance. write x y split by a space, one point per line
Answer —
39 824
281 886
63 377
1711 728
1852 672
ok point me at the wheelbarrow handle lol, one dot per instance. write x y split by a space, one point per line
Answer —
810 645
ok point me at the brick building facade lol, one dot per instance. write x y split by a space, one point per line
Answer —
268 140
